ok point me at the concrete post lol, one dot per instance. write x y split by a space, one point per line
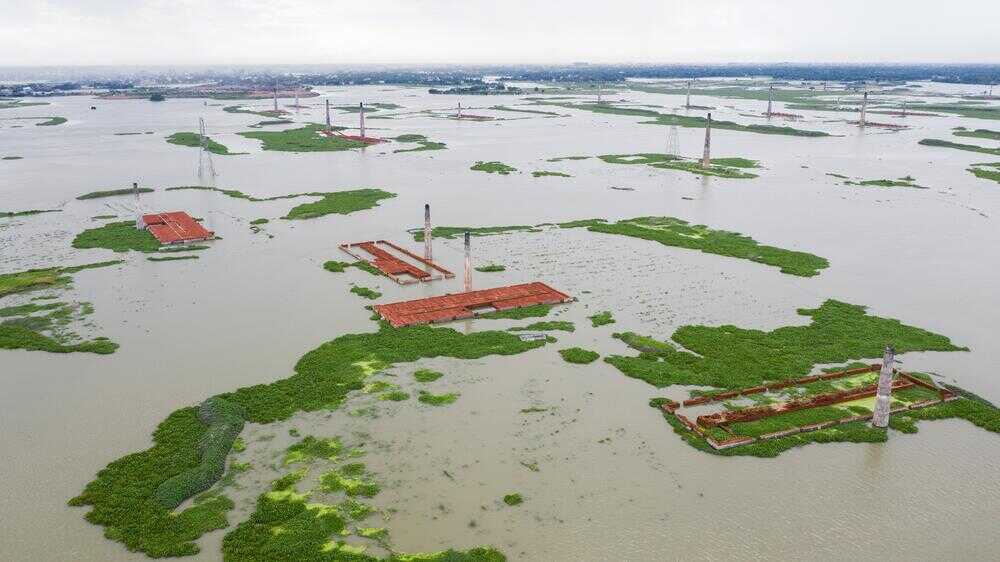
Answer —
706 159
328 127
688 102
769 92
138 210
459 110
468 262
864 107
884 393
428 253
276 97
362 118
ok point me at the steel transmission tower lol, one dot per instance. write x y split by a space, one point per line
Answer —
205 165
673 142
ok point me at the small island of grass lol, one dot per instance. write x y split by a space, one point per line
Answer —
545 173
120 236
365 292
492 268
422 142
112 193
731 168
578 355
195 140
309 138
493 168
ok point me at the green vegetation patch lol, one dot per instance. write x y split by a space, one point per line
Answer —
303 139
983 171
979 134
47 121
675 232
906 181
426 375
546 326
311 448
336 202
15 336
423 143
965 110
340 203
450 232
493 168
684 120
578 355
491 268
341 266
729 168
117 236
263 113
14 104
12 158
513 499
730 357
520 110
112 193
602 319
259 221
544 173
562 158
195 140
437 399
121 495
533 311
171 258
12 214
365 292
30 279
960 146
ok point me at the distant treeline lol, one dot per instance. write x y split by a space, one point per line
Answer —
288 76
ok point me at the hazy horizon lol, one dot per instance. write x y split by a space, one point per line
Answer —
444 32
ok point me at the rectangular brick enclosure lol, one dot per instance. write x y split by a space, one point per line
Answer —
399 264
468 305
175 227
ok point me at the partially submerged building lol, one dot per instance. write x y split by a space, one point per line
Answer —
174 227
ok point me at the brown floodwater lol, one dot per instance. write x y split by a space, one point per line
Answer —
614 482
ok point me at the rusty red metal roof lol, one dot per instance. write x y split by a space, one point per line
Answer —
468 305
174 227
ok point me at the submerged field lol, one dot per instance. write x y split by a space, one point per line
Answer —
253 407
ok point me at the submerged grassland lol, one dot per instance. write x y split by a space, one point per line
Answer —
134 497
112 193
984 171
684 120
493 168
303 139
335 202
671 231
120 236
728 357
731 168
32 279
961 146
195 140
423 143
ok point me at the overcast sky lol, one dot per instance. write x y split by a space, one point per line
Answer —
70 32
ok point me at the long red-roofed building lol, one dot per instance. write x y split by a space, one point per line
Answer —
468 305
175 227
